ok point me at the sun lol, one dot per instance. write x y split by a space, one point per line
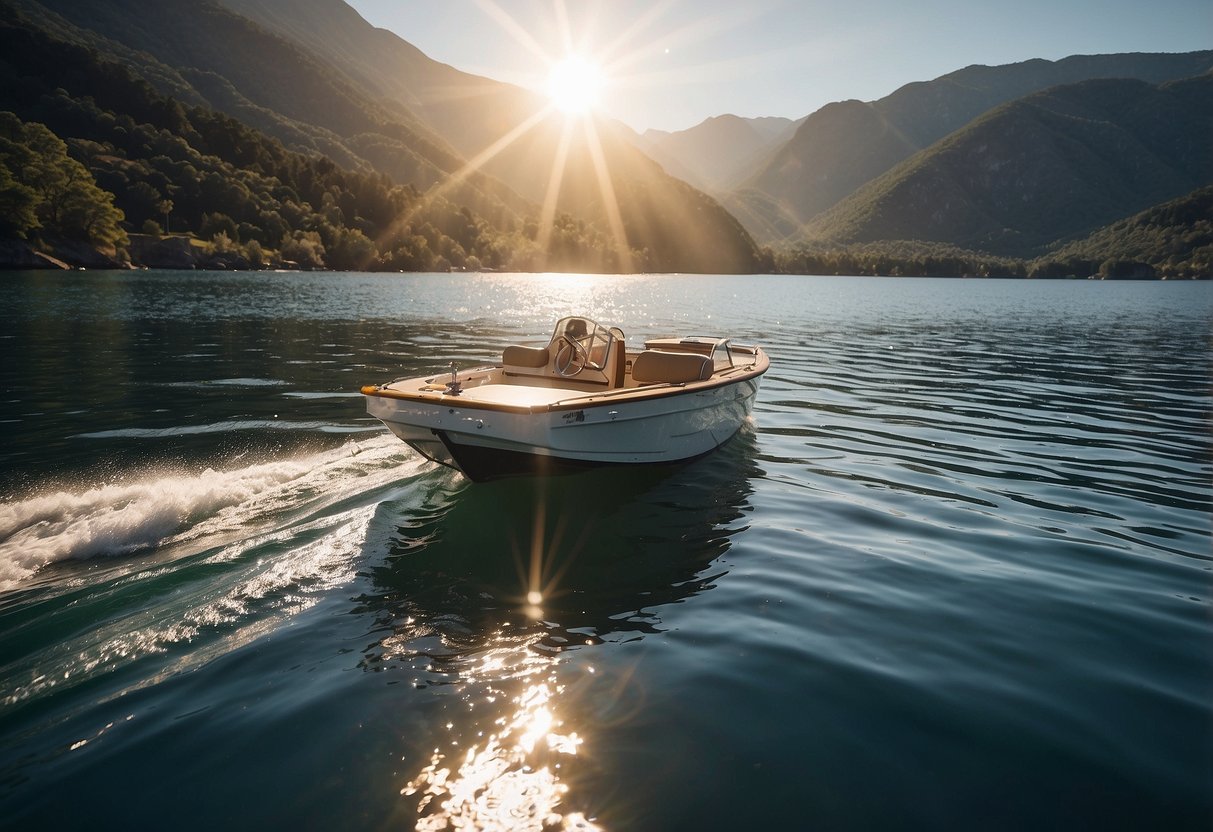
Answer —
574 84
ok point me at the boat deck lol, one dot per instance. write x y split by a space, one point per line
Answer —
520 395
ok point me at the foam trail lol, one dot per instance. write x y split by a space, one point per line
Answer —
214 616
124 518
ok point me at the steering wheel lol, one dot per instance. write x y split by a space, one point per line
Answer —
571 357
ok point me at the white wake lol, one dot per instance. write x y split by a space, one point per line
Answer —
118 519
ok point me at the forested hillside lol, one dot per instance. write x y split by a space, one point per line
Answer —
176 168
1172 240
1041 170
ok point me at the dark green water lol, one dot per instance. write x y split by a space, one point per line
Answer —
956 574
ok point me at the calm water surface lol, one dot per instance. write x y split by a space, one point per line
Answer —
956 573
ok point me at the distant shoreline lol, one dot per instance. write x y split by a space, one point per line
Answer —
891 259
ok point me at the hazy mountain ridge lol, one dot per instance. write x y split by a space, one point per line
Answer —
844 145
1045 168
719 151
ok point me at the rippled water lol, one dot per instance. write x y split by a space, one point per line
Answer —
955 574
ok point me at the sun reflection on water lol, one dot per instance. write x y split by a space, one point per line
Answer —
509 779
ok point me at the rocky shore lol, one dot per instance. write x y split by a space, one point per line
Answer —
144 251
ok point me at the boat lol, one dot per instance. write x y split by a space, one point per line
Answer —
585 398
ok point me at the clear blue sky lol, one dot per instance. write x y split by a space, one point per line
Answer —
672 63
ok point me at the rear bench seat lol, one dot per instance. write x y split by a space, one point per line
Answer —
660 367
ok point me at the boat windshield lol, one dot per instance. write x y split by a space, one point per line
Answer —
594 338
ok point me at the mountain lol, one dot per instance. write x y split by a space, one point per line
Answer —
845 145
315 76
293 130
1044 168
717 152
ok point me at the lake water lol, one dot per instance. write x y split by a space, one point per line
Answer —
956 573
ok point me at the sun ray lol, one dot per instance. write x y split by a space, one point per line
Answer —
562 23
607 53
695 73
697 31
472 166
515 30
534 580
607 188
547 214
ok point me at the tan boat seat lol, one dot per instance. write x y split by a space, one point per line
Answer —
659 367
532 358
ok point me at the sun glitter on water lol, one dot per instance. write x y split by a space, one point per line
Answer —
575 84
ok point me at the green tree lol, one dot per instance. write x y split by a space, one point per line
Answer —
254 253
352 251
67 200
18 205
165 206
221 243
215 224
304 249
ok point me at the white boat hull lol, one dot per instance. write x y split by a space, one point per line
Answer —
486 444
